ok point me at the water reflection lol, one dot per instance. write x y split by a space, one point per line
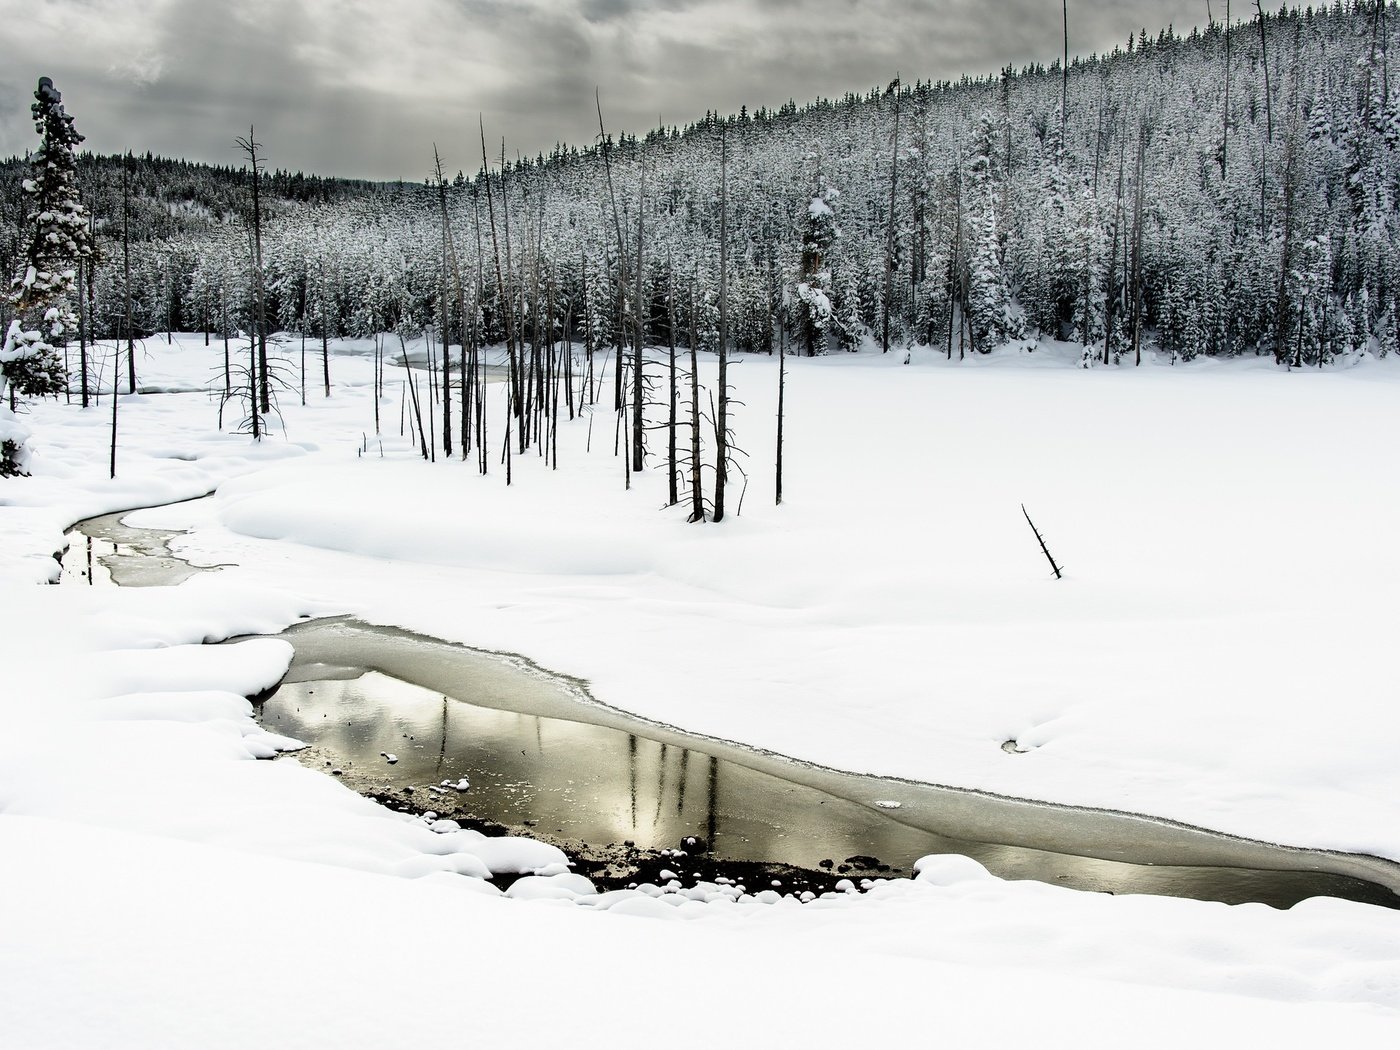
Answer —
103 551
590 784
587 783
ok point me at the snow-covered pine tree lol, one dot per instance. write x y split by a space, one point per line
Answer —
813 287
1387 339
43 289
989 300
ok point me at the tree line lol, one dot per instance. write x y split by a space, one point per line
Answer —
1227 191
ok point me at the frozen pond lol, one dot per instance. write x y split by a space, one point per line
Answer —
490 737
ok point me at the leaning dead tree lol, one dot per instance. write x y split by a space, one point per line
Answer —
1041 540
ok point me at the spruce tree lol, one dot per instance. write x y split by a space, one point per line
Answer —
42 293
813 290
989 299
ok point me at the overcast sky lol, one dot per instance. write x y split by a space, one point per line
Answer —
362 88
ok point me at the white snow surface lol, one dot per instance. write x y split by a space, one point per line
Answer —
1218 653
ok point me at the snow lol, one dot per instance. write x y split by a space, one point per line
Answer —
1217 654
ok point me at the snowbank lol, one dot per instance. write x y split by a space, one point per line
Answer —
1217 654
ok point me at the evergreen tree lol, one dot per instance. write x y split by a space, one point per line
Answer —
989 300
43 289
813 291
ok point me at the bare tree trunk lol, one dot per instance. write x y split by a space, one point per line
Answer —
501 298
1286 251
251 148
955 258
325 335
1138 193
722 415
569 358
1064 76
782 383
116 372
587 333
889 230
253 412
518 341
126 284
223 323
412 385
1264 56
697 499
1225 113
605 145
464 378
446 360
638 335
478 380
432 397
672 496
82 335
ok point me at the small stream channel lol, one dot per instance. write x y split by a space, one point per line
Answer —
494 741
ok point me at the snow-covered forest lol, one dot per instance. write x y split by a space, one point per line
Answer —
1212 193
855 747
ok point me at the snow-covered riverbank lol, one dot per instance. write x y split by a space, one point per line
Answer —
1216 655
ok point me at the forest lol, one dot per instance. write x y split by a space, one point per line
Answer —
1222 192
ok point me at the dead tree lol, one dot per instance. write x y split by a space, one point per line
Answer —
517 342
672 496
1225 112
1264 58
446 316
412 388
889 230
638 447
325 334
82 334
1064 75
116 371
782 382
722 414
697 499
251 147
501 299
1290 180
605 146
126 280
1039 539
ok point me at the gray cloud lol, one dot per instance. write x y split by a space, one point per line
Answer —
364 88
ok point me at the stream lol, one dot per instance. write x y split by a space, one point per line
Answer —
494 741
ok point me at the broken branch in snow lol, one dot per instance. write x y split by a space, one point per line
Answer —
1041 540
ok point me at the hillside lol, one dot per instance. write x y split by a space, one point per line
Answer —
1186 205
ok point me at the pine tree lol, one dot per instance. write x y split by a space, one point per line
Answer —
988 297
43 290
813 289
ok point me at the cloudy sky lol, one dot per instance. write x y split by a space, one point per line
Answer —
364 87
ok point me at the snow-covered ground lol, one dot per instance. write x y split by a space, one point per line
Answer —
1217 654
